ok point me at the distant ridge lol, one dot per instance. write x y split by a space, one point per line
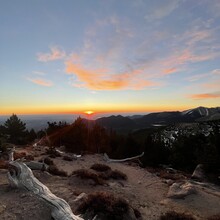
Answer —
160 118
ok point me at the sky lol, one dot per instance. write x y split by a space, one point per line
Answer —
108 55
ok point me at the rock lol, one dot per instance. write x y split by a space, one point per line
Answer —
168 182
199 173
180 190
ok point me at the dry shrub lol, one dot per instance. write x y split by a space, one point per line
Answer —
48 161
87 174
214 217
29 157
100 167
113 174
3 164
117 175
53 169
176 216
104 203
18 155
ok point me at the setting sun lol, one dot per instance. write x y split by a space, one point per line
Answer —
89 112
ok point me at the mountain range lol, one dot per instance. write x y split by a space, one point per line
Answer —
127 123
160 118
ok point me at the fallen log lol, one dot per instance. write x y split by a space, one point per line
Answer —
106 157
21 176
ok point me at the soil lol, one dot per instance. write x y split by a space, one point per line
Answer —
144 190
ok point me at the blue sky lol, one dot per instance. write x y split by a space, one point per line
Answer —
108 55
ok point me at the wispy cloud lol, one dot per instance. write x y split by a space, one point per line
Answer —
101 79
41 82
39 73
205 96
163 10
56 53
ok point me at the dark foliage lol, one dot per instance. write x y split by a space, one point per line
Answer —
176 216
100 167
105 203
15 130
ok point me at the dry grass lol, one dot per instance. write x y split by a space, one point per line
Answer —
100 167
176 216
104 203
55 171
87 174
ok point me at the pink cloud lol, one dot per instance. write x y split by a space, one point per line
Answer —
205 96
55 54
100 79
170 70
41 82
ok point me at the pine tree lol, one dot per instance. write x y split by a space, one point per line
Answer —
15 129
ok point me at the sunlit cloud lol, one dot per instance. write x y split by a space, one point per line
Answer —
56 53
205 96
101 79
213 84
41 82
170 70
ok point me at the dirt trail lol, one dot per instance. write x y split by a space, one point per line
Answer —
144 191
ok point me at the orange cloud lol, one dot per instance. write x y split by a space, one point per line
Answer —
170 70
41 82
205 96
100 79
55 54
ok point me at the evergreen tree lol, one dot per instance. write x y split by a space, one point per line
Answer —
15 129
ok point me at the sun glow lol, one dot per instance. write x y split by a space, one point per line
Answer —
89 112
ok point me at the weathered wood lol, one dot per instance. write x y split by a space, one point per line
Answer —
11 154
34 165
21 176
122 160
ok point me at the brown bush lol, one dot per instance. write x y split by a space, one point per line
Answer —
104 203
117 175
113 174
3 164
29 157
176 216
100 167
18 155
214 217
55 171
87 174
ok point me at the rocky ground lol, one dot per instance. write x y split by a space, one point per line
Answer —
145 191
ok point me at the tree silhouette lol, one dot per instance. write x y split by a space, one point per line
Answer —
15 129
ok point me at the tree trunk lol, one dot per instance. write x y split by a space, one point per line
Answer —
21 176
